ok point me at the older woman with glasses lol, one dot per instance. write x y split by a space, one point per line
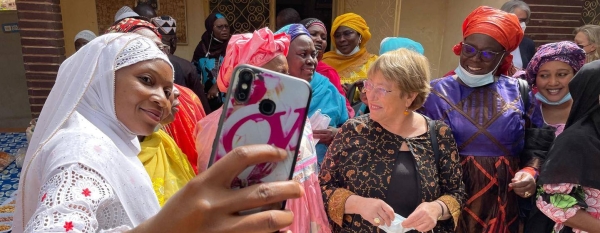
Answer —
393 160
488 113
587 38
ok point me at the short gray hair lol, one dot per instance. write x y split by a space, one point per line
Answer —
512 4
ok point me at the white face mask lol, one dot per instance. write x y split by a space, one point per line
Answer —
523 26
354 51
473 80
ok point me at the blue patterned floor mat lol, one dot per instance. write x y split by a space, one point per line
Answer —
11 142
9 177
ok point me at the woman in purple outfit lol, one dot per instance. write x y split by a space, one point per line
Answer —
485 110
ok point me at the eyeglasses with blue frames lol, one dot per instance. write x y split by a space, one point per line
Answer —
377 91
485 55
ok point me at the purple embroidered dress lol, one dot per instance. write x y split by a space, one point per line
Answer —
489 128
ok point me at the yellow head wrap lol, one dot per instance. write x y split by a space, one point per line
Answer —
355 22
354 67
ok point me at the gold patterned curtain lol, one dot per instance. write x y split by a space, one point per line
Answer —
243 15
591 12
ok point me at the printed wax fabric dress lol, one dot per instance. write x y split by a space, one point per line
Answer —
362 161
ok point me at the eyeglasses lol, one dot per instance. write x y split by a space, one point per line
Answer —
583 46
346 34
377 91
486 55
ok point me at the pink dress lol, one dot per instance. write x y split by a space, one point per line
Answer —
559 128
309 210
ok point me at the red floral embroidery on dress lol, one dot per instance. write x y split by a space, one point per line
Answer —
86 192
68 226
44 197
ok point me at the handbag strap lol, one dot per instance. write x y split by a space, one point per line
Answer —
434 142
524 91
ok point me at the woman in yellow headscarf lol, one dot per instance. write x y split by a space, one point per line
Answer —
167 166
350 57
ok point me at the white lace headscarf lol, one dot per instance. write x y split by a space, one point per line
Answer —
78 124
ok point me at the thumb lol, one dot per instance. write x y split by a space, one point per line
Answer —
517 177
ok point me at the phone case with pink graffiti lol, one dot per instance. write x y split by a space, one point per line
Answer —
243 123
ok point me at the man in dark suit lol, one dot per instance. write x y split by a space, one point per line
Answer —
526 50
185 73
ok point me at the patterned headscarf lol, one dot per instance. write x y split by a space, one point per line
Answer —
309 22
166 24
565 51
294 30
131 25
503 27
354 21
393 43
257 49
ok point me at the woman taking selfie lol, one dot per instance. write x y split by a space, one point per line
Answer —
82 173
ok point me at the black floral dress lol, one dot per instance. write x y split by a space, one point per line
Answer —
360 161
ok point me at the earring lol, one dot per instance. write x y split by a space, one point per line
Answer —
406 112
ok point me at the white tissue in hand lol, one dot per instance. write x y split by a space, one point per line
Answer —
319 120
396 226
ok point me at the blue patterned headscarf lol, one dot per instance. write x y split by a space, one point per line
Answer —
393 43
565 51
294 30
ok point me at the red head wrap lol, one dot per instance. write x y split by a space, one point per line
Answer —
132 25
503 27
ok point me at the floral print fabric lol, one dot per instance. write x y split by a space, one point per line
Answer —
562 201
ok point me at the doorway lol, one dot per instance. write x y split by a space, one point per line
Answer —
320 9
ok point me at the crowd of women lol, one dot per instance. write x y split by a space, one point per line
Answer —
496 145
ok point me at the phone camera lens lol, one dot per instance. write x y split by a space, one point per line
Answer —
241 96
246 76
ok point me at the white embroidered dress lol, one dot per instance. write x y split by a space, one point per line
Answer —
81 172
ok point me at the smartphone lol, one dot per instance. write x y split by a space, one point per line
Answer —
262 107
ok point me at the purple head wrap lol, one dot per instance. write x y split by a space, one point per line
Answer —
294 30
565 51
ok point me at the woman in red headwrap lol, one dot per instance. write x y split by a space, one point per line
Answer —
487 114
